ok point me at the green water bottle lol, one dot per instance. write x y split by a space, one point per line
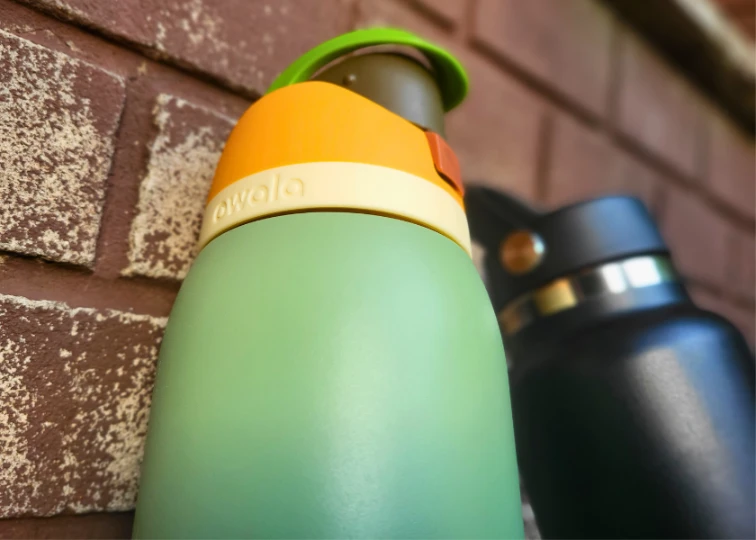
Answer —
332 366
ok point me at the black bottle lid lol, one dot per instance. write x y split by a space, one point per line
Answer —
527 249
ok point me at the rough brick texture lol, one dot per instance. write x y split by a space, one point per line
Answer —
731 171
698 237
498 136
584 164
656 108
58 117
70 527
113 115
450 11
182 160
236 41
566 44
76 388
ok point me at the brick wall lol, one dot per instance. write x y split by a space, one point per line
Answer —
105 106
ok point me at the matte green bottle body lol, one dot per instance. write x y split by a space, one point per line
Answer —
331 375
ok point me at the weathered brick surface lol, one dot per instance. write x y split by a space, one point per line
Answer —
39 279
566 43
74 527
697 236
51 33
657 109
172 197
731 172
450 11
584 164
76 386
579 161
145 79
143 76
58 117
629 176
239 42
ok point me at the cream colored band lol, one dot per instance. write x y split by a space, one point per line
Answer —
336 185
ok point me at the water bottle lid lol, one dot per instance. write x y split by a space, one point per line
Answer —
317 146
451 76
533 249
313 145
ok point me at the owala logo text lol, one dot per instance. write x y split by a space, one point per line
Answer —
274 190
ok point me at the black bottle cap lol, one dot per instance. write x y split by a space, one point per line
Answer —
526 249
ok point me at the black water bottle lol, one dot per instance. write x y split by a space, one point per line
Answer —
633 408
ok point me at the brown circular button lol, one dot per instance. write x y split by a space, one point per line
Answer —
521 252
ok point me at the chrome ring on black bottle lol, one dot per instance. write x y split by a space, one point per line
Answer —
570 291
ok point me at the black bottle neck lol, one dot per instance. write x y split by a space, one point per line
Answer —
542 321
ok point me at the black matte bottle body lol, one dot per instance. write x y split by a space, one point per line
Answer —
634 418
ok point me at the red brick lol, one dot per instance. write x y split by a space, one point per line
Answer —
742 265
145 77
73 527
731 174
38 279
629 176
76 386
579 162
51 33
565 43
451 11
378 13
57 128
244 44
657 108
172 197
697 236
136 130
496 131
742 318
583 164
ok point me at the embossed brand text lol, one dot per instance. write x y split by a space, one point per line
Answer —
262 194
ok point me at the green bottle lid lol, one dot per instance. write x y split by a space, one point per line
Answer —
451 77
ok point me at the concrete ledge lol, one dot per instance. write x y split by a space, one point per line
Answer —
697 37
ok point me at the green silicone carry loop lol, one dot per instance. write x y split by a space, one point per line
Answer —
452 78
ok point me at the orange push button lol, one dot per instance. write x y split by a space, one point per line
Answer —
445 161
